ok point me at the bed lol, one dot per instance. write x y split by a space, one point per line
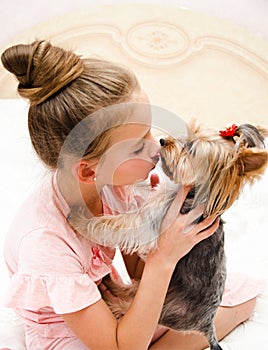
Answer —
217 72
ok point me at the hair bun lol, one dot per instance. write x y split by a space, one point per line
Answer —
41 69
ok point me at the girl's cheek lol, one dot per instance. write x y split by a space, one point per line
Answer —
134 168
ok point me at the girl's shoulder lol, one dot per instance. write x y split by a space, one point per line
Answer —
43 208
40 222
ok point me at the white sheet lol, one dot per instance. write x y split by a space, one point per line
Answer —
246 229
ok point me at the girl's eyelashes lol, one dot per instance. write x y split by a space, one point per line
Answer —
140 149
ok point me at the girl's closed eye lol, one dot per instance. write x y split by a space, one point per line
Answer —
140 149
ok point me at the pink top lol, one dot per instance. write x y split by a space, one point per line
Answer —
55 271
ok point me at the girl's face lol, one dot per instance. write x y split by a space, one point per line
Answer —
130 158
133 150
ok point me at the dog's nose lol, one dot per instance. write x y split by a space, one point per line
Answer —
162 142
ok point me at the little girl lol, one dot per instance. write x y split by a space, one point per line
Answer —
56 275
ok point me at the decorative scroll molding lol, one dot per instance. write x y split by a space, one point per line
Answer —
81 33
159 44
189 63
157 40
232 48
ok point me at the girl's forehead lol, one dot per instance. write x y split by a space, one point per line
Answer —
139 113
130 131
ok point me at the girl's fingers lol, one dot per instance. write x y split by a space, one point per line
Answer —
174 209
210 226
176 205
102 288
105 291
191 217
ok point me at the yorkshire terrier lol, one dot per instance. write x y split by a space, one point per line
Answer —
217 166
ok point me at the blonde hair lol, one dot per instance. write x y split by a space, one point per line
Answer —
63 89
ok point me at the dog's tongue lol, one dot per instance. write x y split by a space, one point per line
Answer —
154 180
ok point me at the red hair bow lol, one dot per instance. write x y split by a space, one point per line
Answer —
229 131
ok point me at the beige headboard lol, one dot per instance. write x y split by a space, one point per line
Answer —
192 64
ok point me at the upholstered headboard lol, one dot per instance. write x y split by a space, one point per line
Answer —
190 63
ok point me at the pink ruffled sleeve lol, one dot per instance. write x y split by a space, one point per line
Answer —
52 272
64 294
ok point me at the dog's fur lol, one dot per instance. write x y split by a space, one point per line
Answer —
217 167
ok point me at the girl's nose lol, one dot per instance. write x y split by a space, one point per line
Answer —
155 158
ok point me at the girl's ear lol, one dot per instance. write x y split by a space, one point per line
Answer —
84 171
252 162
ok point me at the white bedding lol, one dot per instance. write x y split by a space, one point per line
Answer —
246 229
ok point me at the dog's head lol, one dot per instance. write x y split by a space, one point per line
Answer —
217 164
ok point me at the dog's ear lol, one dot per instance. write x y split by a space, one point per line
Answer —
262 130
252 162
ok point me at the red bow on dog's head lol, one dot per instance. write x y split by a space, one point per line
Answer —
229 131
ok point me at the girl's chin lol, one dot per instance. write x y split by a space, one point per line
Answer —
131 181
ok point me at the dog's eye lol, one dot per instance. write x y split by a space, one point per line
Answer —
140 149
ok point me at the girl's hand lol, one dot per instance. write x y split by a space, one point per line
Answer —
178 234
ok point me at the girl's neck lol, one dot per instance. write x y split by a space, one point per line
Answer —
76 193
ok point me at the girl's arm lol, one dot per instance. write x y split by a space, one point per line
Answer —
96 325
98 329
